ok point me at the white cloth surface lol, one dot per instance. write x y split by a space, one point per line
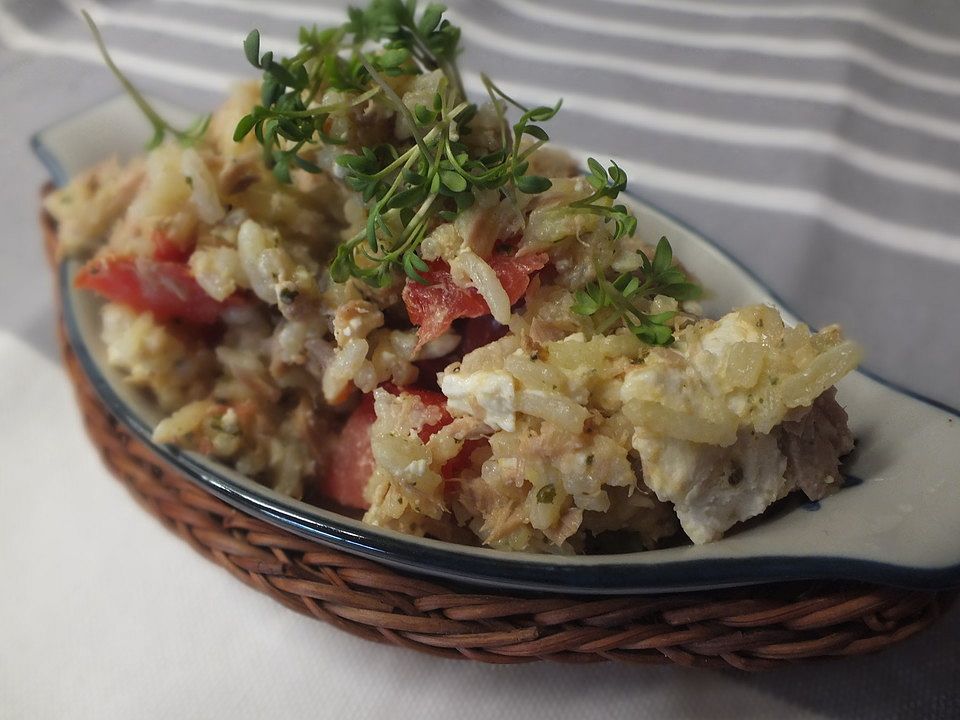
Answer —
104 614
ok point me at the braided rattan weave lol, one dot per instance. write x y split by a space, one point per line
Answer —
752 628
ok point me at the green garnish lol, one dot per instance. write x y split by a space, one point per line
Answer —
407 189
339 58
435 176
547 494
607 185
612 302
186 137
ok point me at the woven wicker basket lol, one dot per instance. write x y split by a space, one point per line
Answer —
753 628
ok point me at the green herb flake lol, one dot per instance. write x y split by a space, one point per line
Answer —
614 302
434 177
187 137
547 494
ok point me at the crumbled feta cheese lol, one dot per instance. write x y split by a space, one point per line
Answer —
488 395
658 382
729 330
230 422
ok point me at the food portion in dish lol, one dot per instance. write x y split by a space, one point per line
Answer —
357 286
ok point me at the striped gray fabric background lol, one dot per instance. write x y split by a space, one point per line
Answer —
817 141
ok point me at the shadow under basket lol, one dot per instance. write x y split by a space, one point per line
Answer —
747 628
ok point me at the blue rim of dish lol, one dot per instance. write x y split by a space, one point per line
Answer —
484 566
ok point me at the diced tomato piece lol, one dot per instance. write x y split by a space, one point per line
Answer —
167 250
433 307
429 398
352 463
164 288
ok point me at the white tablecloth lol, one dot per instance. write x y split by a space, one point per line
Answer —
820 143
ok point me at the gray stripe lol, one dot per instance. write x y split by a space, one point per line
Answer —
791 168
887 299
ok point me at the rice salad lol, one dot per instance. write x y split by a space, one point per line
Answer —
357 287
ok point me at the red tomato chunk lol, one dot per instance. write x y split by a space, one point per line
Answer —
164 288
352 462
164 248
433 307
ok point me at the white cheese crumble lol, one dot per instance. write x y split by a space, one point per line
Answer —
488 395
415 468
729 330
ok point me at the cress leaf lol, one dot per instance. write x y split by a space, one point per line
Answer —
251 48
533 184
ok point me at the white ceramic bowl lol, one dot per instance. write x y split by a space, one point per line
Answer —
898 522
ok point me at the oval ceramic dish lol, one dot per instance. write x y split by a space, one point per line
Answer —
897 521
